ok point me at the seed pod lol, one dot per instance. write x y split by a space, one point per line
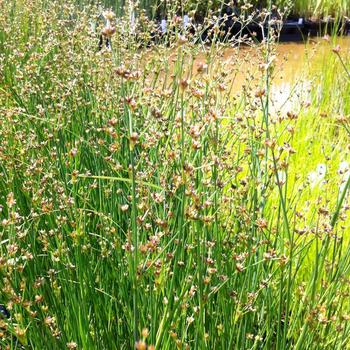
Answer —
108 31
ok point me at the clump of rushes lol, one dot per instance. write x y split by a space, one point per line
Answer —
152 198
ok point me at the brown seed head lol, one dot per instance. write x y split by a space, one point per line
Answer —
109 15
184 83
336 49
108 31
141 345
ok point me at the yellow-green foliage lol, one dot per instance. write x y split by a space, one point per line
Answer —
152 197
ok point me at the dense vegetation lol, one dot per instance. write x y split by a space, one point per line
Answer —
150 198
316 8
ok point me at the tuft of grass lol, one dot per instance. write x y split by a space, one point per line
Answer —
151 197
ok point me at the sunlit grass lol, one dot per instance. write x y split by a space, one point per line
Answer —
318 8
155 200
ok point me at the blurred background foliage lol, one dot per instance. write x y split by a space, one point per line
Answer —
158 8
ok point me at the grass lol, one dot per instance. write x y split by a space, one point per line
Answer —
146 201
300 7
323 7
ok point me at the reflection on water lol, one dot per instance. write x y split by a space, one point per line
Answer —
240 68
293 63
291 58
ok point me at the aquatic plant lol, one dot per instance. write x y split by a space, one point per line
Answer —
318 8
149 199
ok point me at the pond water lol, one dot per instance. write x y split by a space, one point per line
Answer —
294 63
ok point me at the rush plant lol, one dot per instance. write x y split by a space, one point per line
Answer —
152 196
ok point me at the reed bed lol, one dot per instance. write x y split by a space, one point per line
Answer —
147 202
316 8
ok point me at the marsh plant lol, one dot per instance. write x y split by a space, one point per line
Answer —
150 200
308 8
